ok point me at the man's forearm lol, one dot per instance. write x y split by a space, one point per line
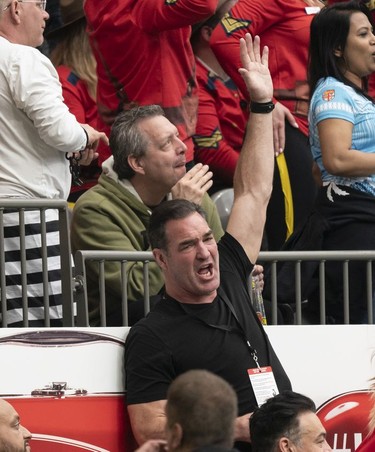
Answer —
148 420
254 170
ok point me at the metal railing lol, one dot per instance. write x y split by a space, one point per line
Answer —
273 258
123 257
75 289
298 257
41 205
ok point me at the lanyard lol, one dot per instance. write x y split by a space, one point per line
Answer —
253 351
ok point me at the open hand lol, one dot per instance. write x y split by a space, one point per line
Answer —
194 184
255 70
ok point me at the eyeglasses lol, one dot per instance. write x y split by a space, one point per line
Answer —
42 4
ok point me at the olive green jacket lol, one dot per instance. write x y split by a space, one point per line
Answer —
111 217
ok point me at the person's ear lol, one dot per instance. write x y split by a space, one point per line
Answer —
175 437
206 33
337 53
136 164
160 258
14 11
285 445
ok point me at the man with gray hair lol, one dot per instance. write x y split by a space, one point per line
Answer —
147 167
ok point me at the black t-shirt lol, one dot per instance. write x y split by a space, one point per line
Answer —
177 337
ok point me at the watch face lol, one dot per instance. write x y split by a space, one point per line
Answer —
346 417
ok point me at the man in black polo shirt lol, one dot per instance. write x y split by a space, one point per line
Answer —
205 319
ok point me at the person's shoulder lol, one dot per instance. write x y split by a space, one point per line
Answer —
155 321
326 83
66 73
229 241
233 257
207 202
19 51
91 198
332 92
106 192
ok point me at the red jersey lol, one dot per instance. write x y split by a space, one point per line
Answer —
144 47
284 26
221 124
83 107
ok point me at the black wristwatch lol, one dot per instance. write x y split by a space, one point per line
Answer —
265 107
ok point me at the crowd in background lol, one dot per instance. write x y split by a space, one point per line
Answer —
161 81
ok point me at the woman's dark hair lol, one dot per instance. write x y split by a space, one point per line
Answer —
329 31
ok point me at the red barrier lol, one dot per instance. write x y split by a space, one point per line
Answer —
345 417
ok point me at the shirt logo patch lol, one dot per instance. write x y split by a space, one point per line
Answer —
233 24
328 95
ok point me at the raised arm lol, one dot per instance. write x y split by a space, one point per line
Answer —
254 173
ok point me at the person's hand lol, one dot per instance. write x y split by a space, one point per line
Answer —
318 3
223 6
194 184
255 70
86 157
279 115
258 273
153 445
94 137
242 428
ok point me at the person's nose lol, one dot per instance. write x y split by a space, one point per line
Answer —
25 433
327 447
180 146
45 15
202 251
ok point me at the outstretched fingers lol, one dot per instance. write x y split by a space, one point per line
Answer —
254 68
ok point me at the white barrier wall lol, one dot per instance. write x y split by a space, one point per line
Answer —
321 361
325 360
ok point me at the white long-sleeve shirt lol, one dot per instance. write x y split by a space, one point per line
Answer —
36 127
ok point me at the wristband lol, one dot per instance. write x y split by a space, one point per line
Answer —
265 107
87 138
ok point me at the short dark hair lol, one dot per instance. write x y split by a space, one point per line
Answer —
176 209
276 418
329 32
127 139
205 406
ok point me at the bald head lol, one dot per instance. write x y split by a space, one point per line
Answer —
13 436
203 406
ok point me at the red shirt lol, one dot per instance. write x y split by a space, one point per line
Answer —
284 26
145 45
221 124
83 107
